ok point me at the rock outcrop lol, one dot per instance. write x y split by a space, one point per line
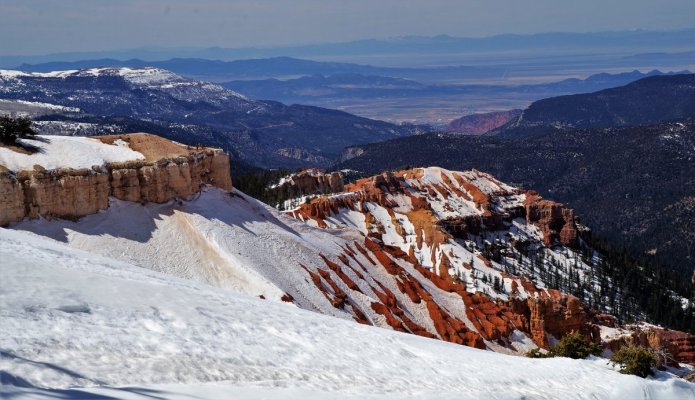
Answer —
168 171
311 181
166 179
478 124
674 346
291 190
557 223
557 314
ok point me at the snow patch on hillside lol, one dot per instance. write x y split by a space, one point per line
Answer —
46 106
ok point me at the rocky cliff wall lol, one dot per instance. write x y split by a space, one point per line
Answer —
555 220
73 193
309 181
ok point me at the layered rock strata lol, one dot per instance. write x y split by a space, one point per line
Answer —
447 256
168 171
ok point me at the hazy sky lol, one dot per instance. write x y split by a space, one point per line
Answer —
47 26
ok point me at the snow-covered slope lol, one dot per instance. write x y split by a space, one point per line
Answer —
435 253
142 78
233 242
236 242
77 325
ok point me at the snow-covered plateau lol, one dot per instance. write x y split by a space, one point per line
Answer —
78 325
53 152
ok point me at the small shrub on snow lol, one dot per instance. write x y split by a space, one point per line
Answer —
635 360
537 353
572 345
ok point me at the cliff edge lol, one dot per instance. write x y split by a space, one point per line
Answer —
70 177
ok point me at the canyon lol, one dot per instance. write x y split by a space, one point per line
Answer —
456 256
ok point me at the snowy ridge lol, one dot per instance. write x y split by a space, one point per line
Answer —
236 243
80 325
146 78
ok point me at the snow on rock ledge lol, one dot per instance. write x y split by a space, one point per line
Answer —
72 177
54 152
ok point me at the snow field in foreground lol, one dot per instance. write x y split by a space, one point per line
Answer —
99 327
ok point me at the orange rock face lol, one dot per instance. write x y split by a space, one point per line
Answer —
555 221
311 181
682 346
477 124
551 313
71 193
677 347
555 314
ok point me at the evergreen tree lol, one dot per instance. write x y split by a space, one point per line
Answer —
12 129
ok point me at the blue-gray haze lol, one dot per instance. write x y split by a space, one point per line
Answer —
48 26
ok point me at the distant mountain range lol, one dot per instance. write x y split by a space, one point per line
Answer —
395 94
398 98
289 71
265 133
634 41
439 63
273 67
357 85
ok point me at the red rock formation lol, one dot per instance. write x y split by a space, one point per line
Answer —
681 345
541 313
338 271
605 320
312 181
556 314
359 315
460 227
555 221
493 320
478 124
678 347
